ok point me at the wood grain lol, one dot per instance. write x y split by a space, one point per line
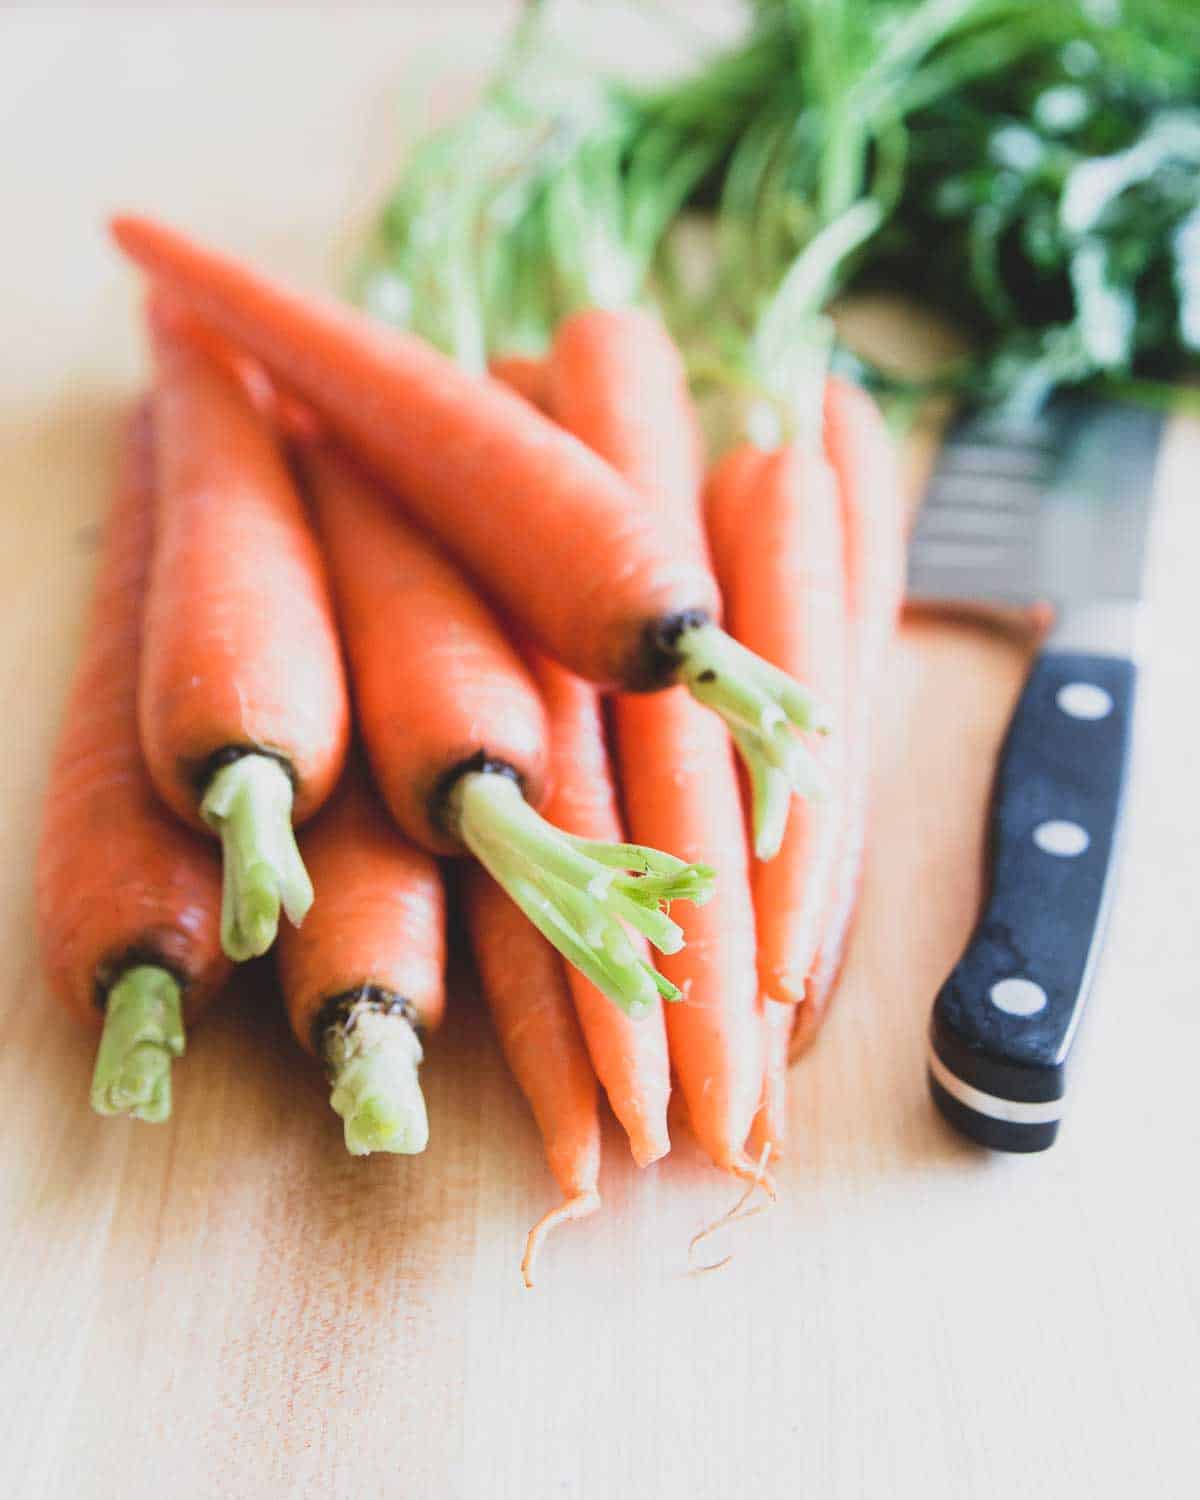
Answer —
230 1306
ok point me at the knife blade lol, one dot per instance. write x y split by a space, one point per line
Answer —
1052 511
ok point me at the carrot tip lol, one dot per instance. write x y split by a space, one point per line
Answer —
578 892
249 804
764 708
578 1207
374 1056
650 1148
143 1032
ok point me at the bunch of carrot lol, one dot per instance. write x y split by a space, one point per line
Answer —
362 607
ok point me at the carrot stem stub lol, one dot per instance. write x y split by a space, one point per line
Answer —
373 1054
143 1032
764 708
249 804
579 892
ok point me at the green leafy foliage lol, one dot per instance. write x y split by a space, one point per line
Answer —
552 193
1064 202
1030 169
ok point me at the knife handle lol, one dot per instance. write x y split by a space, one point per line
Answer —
1004 1021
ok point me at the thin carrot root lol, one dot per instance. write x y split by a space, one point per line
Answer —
754 1172
143 1031
373 1057
756 1176
579 892
578 1207
764 708
249 804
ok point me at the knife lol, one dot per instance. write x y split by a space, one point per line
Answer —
1022 513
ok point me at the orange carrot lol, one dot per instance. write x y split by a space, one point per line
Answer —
689 794
686 791
526 990
168 315
560 542
436 680
243 706
728 502
456 735
468 459
363 978
629 1056
728 498
128 900
615 375
862 456
785 598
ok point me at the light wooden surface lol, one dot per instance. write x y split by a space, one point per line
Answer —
230 1306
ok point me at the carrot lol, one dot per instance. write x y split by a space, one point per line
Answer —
629 1056
728 500
278 406
686 792
616 375
847 883
526 990
785 597
689 793
243 706
563 545
862 456
363 978
456 735
168 314
128 900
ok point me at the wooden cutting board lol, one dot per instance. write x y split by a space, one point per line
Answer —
230 1306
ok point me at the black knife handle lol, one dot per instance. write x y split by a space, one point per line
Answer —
1004 1021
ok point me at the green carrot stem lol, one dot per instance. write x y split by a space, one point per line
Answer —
660 877
812 277
793 340
579 893
373 1056
249 804
770 798
764 709
599 949
143 1031
654 924
638 857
